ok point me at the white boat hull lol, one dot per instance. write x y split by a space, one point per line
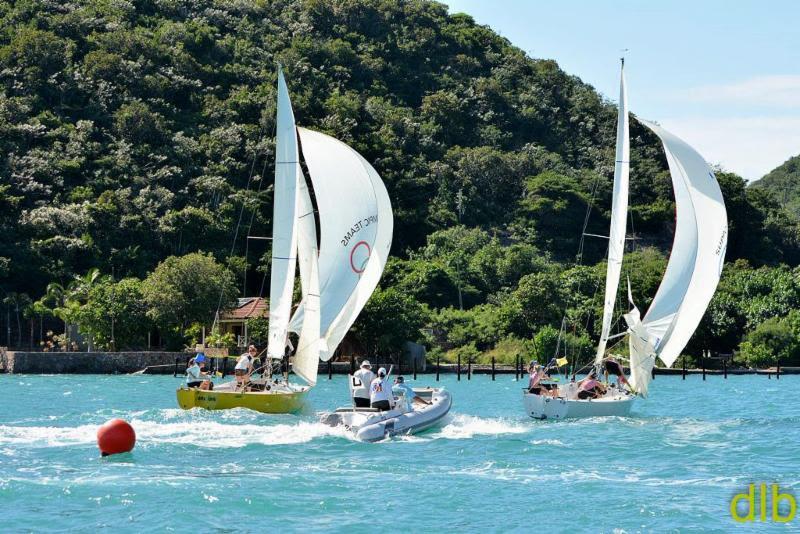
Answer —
371 425
615 403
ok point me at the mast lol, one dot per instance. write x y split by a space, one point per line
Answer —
619 215
284 223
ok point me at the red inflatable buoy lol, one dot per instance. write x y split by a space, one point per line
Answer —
115 436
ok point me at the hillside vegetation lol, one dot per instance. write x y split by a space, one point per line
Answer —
129 132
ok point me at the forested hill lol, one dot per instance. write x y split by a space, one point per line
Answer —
784 183
128 132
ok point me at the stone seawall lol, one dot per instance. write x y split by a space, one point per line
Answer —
18 362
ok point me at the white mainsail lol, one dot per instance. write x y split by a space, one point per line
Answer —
284 223
356 223
619 216
696 260
306 358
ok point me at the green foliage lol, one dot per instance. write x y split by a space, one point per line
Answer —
389 319
118 308
783 182
128 135
258 330
187 289
770 342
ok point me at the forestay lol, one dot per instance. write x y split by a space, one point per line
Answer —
696 260
619 215
284 223
355 220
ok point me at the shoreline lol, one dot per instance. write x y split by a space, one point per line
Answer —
163 362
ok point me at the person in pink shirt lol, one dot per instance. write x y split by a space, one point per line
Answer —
589 387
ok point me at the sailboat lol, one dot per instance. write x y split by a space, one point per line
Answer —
355 219
690 280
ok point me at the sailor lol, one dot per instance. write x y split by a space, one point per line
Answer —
400 388
244 366
380 391
363 377
612 367
590 387
196 377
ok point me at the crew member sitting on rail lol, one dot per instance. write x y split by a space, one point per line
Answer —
195 376
590 387
362 379
380 391
400 388
244 366
535 386
612 367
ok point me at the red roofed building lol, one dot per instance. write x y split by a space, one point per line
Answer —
235 320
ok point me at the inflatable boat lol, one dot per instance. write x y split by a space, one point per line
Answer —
370 424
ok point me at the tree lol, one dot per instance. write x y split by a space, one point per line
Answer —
185 290
115 314
389 319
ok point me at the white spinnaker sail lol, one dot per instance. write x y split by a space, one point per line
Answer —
698 251
306 358
356 223
284 222
619 216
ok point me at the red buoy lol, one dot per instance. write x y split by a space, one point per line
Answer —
115 436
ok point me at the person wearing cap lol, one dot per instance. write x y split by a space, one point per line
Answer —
195 376
401 389
380 391
362 379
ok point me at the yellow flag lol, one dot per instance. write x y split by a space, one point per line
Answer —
561 361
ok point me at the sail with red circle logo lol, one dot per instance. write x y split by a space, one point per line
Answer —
356 223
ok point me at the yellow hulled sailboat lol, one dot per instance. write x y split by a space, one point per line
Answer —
338 272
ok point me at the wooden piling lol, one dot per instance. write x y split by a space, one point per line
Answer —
224 366
437 367
469 368
492 368
778 370
725 368
175 371
703 359
684 367
330 368
415 367
352 364
458 368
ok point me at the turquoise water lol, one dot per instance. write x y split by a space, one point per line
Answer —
673 465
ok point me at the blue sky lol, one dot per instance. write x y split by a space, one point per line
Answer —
723 75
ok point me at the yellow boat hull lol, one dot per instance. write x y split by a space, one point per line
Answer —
260 401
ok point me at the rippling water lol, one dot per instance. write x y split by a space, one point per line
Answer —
674 464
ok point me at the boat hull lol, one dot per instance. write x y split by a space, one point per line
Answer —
260 401
544 407
370 425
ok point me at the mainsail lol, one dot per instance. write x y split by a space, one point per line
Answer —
695 264
619 215
284 224
355 219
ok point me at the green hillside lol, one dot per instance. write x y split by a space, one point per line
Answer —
784 183
128 132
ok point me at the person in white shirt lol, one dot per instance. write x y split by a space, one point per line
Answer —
380 391
196 377
401 389
362 379
244 366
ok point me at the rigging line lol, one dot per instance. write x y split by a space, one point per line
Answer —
239 221
252 217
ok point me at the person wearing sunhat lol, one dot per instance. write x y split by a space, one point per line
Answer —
361 381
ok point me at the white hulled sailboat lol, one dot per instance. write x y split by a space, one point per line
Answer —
692 274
